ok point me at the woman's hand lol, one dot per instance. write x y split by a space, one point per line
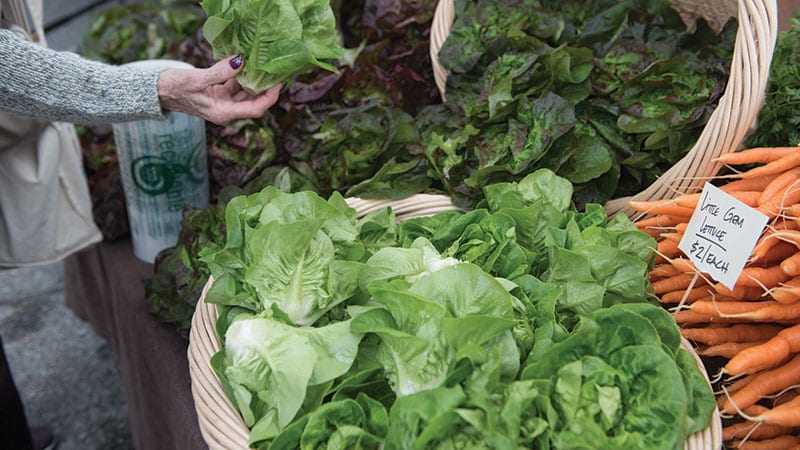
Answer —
213 93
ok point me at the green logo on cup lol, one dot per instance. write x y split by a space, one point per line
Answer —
155 175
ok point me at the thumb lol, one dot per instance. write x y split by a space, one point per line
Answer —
225 69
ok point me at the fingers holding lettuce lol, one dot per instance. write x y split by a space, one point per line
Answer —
213 93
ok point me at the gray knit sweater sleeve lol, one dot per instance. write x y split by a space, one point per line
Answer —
62 86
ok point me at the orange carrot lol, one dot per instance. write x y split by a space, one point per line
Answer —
771 312
732 333
763 245
750 198
755 155
657 207
766 383
789 235
792 336
688 200
791 265
758 357
775 205
785 295
787 415
780 165
684 265
686 296
737 385
768 239
741 291
660 221
748 184
688 317
724 309
717 298
667 248
681 227
674 237
726 349
780 251
663 271
644 206
765 277
779 184
655 221
788 292
791 213
782 442
680 281
753 430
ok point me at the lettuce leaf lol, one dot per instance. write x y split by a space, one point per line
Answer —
294 255
423 327
267 367
622 381
278 38
358 423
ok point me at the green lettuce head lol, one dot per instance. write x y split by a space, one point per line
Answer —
278 38
297 254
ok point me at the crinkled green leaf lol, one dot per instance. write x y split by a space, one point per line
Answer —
271 364
278 38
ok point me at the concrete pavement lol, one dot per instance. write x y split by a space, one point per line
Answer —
68 377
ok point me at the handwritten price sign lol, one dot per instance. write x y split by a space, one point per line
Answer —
721 235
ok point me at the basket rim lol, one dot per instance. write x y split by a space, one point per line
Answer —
221 424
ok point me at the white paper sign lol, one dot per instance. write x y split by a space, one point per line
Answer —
721 235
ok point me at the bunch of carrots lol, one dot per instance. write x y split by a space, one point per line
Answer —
751 333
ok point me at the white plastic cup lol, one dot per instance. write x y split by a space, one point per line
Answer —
163 167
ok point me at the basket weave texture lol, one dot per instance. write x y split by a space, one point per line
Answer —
731 120
221 424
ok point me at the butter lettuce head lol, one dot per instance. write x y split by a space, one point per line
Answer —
412 263
621 380
278 38
295 255
346 424
267 367
426 327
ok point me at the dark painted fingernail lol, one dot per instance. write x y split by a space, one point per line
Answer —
236 62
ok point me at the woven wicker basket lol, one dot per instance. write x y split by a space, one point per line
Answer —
221 424
729 123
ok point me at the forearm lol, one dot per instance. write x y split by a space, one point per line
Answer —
62 86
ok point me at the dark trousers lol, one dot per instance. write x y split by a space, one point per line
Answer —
14 432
